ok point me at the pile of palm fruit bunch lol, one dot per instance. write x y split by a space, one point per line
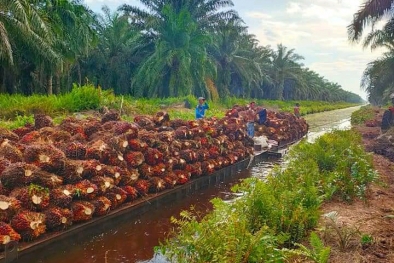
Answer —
53 176
282 127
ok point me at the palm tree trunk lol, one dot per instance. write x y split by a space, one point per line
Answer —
57 83
49 84
79 74
2 86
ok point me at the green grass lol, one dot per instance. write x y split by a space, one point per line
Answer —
365 113
279 212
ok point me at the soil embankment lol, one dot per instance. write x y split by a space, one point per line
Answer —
363 231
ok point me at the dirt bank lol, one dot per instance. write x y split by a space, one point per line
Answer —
363 231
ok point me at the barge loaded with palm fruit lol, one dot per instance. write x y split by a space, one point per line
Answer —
59 181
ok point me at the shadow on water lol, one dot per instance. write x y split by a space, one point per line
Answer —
134 239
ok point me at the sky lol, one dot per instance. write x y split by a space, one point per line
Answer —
316 30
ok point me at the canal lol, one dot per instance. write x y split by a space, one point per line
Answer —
134 238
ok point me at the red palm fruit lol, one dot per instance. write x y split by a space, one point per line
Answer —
145 170
145 122
22 131
149 137
58 218
111 115
119 143
48 180
82 211
197 131
203 155
176 145
159 169
134 159
142 186
103 183
98 150
8 234
190 144
180 165
178 123
169 162
92 168
33 197
193 124
232 158
170 179
153 156
61 197
164 148
86 190
166 136
9 151
3 190
102 205
29 224
41 120
221 161
182 176
127 176
131 192
183 133
194 169
117 196
207 167
18 174
157 184
161 118
57 136
214 152
116 159
113 173
188 155
4 163
75 150
137 145
9 206
91 127
107 126
30 138
123 127
73 171
45 156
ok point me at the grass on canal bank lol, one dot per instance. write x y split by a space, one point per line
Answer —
17 110
273 216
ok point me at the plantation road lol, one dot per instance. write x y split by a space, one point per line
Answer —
133 238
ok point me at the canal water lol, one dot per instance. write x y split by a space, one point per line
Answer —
134 239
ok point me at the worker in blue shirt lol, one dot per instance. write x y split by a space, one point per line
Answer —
201 107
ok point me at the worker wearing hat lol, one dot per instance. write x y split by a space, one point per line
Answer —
201 107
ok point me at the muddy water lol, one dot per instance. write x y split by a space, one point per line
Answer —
134 239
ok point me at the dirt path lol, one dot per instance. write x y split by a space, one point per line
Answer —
364 231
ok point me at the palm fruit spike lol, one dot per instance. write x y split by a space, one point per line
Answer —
41 120
3 164
161 118
121 127
145 171
153 156
115 158
180 165
170 179
102 205
75 150
145 121
73 171
9 151
117 196
33 197
9 206
92 168
91 127
7 134
134 159
203 155
159 169
22 131
142 186
137 145
112 172
131 192
86 190
207 167
61 197
166 136
45 156
46 179
29 224
183 133
18 175
8 234
189 156
182 176
127 176
58 218
119 143
194 169
31 137
112 115
97 150
82 210
177 123
103 183
157 184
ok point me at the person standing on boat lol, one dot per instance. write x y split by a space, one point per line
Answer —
250 119
201 107
297 110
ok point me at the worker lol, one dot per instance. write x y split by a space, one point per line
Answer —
201 107
297 110
250 118
388 116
